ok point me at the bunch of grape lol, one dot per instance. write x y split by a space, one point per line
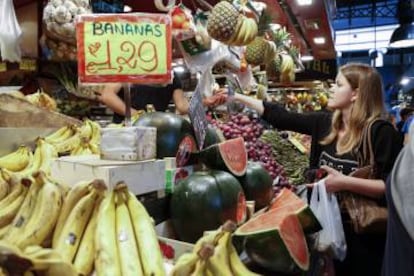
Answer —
250 128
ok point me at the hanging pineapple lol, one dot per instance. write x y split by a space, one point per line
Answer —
261 48
281 38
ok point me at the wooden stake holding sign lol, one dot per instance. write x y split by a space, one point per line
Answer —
125 48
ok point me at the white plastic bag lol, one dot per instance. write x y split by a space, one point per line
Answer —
325 207
10 32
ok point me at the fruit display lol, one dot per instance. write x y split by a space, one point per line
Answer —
213 254
226 24
204 201
42 100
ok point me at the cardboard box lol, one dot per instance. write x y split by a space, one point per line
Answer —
141 176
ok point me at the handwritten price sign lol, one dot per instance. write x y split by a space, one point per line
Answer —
133 48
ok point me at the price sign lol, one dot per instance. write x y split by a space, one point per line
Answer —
27 65
129 48
198 117
3 67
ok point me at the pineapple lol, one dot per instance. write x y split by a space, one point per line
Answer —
281 38
257 49
222 22
273 67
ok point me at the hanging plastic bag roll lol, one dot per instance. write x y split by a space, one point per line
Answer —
10 32
325 207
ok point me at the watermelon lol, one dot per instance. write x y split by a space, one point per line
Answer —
287 201
230 155
213 136
257 185
204 201
172 130
276 241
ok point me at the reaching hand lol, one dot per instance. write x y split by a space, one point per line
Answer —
334 180
219 97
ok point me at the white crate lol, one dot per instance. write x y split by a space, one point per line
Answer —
141 176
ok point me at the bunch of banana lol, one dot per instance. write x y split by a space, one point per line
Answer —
42 100
33 227
72 230
90 131
246 31
223 260
287 69
132 247
85 147
64 139
18 160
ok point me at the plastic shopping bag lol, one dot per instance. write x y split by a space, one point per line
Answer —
325 207
10 32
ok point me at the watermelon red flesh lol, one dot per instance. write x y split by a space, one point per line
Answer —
288 202
230 155
276 242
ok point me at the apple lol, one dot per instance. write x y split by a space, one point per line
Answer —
178 20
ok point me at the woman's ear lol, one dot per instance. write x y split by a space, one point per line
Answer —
354 94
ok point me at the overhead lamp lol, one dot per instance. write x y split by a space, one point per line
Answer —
127 8
304 2
403 36
404 81
306 58
319 40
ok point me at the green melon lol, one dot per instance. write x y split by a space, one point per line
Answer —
204 201
288 201
275 241
230 155
257 185
172 129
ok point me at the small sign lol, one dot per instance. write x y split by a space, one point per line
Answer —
27 65
3 67
198 117
129 48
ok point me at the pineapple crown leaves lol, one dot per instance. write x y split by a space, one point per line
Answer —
281 37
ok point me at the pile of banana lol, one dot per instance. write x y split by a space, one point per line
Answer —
213 254
76 140
75 228
131 247
32 260
30 210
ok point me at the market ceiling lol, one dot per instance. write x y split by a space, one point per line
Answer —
304 22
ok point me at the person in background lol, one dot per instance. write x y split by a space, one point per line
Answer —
404 114
406 127
399 248
356 100
160 96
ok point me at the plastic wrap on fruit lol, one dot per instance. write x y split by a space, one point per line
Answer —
182 22
10 32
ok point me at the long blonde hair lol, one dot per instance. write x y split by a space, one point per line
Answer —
368 105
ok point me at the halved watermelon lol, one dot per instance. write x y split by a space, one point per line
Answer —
276 242
288 202
230 155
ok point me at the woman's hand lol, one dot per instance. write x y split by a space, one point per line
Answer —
334 181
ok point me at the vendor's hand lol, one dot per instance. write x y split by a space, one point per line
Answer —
333 181
219 97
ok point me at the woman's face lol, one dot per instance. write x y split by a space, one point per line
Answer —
342 93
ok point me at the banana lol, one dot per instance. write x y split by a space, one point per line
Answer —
85 255
34 165
75 225
236 265
107 261
16 190
129 255
78 191
96 132
253 30
146 237
233 41
185 264
61 134
68 144
17 160
26 210
45 214
85 130
4 187
47 153
219 264
8 213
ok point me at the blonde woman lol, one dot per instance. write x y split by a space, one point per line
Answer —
356 100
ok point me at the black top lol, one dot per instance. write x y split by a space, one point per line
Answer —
386 140
141 95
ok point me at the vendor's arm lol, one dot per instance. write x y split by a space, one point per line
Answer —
109 97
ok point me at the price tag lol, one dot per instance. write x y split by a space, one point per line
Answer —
198 117
27 65
128 48
3 67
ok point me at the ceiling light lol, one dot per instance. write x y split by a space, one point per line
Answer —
127 8
319 40
403 36
304 2
306 58
404 81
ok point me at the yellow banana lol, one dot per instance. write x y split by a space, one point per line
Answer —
236 265
4 231
48 153
85 255
74 227
4 187
78 191
200 268
61 134
68 144
15 191
96 132
129 255
17 160
233 39
146 237
107 261
219 264
185 264
35 164
85 131
9 212
46 211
